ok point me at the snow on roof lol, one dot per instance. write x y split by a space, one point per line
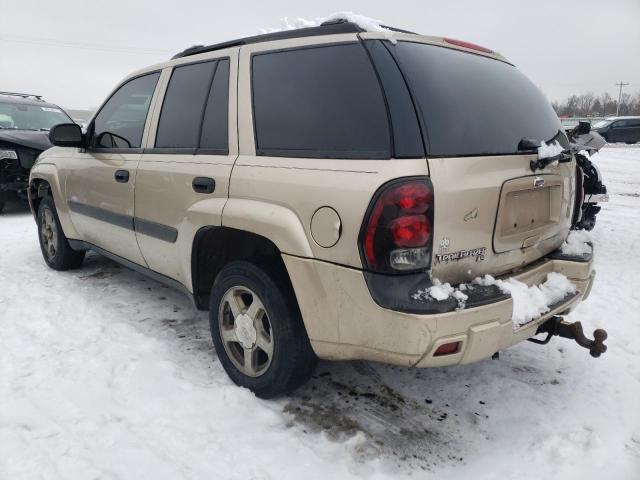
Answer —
366 23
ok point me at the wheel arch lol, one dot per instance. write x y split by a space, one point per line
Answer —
44 181
215 246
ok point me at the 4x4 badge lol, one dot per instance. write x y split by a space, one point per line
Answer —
538 182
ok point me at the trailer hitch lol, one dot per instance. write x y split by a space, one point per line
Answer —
558 326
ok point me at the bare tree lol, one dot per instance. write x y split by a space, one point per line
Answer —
590 105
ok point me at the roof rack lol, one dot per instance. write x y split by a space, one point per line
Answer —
22 95
327 28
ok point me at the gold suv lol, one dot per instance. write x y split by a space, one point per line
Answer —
323 193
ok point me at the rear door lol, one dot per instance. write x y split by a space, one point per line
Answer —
100 180
183 176
492 212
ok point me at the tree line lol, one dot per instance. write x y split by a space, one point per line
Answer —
603 105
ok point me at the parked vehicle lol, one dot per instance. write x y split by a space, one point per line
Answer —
619 129
25 121
305 186
589 184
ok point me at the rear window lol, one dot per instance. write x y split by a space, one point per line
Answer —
322 102
473 105
195 108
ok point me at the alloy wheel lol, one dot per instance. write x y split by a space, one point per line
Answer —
49 233
246 331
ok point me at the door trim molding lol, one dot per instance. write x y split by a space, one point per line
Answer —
155 230
138 225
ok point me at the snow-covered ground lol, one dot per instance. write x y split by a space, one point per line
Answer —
107 374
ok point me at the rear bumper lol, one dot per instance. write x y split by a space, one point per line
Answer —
344 322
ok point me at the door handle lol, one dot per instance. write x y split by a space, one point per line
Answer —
203 185
121 176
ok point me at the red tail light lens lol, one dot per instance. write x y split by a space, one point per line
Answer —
397 233
410 231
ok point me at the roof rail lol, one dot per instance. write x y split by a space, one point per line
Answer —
22 95
327 28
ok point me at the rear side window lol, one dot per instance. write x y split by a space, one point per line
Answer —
215 125
471 104
322 102
195 107
120 122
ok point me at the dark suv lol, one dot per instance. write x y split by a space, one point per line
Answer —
25 121
619 129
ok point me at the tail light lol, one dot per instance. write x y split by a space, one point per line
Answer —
397 232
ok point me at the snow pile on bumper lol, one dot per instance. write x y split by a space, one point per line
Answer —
577 243
530 302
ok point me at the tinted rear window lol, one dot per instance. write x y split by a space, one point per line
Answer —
319 102
194 111
473 105
215 125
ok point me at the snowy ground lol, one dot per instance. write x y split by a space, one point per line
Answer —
106 374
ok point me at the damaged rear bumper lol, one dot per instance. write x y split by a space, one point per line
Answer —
344 321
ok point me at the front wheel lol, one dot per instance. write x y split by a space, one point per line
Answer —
54 245
258 332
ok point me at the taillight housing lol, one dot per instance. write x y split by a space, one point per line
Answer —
397 232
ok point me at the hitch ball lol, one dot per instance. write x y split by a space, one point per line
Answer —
558 326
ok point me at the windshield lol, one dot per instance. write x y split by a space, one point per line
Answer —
474 105
602 124
20 116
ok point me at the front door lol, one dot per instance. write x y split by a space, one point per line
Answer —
100 186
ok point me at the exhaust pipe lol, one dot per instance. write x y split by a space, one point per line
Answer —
558 326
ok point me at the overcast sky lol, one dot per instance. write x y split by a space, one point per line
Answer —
74 52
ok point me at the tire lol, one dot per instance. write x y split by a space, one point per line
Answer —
277 347
55 248
3 201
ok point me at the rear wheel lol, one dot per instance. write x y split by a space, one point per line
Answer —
54 245
258 332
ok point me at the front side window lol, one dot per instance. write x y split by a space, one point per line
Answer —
120 122
322 102
195 108
474 105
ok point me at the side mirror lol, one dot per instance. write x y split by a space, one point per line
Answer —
111 140
66 135
583 128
